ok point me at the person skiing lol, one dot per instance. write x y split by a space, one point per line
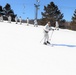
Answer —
57 26
46 29
35 23
1 18
9 19
20 19
27 21
16 19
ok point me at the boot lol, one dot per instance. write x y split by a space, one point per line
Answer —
45 43
48 42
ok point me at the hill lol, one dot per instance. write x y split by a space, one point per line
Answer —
21 52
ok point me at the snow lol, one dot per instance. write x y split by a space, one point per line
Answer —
21 52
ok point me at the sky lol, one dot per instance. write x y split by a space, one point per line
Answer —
26 8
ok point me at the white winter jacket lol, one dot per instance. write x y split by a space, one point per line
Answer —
47 28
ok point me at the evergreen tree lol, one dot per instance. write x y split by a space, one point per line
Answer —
73 22
51 13
1 11
8 11
0 8
7 7
74 16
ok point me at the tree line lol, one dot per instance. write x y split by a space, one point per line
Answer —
51 13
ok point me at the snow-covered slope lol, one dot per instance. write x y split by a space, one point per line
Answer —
21 52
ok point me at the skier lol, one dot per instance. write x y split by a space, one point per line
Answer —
16 19
1 18
35 23
57 26
9 19
27 21
20 19
46 29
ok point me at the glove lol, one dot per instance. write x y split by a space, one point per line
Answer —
50 29
46 31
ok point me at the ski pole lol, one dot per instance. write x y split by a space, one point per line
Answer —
51 35
41 39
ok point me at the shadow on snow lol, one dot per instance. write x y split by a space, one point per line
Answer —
66 45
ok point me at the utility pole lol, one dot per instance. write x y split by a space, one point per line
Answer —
37 7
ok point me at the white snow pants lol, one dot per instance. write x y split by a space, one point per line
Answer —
20 22
16 21
46 37
27 23
1 19
9 21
